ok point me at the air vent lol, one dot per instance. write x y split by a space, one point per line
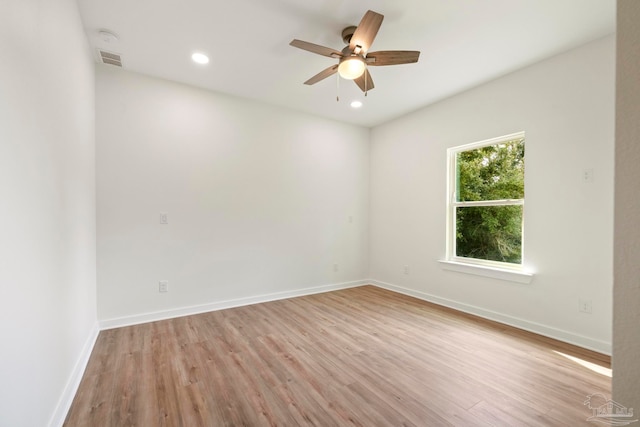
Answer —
110 58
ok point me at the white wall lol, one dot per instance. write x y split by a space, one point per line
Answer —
48 320
258 199
626 313
566 107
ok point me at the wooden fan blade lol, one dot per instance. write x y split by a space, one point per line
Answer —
315 48
366 31
364 82
392 57
322 75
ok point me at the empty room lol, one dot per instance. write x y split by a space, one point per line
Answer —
281 213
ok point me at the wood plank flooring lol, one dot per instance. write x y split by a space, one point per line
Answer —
357 357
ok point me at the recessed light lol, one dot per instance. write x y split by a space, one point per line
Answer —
356 104
200 58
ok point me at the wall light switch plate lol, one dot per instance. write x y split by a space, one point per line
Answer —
164 218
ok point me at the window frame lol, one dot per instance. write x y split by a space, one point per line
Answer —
453 204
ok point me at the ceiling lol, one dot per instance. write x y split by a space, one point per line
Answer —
463 43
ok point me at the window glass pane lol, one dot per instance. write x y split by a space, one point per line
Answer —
494 172
489 233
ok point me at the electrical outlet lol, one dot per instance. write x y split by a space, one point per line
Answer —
587 176
406 269
335 267
163 286
584 306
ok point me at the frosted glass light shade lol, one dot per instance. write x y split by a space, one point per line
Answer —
351 68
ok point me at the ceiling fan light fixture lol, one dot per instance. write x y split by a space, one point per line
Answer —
351 67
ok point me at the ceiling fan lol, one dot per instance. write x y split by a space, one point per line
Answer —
354 59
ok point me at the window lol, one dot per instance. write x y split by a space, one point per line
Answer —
486 202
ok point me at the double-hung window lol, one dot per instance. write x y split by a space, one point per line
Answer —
486 202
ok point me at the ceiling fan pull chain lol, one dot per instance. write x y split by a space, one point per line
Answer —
366 89
338 87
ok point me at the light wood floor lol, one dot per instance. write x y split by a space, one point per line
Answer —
362 356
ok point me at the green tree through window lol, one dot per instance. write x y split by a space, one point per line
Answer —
489 200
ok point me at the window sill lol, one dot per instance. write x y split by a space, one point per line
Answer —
493 272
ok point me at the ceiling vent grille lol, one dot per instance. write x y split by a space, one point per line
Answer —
110 58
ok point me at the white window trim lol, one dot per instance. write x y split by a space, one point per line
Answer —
487 268
512 275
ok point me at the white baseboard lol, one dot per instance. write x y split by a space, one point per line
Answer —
221 305
540 329
70 390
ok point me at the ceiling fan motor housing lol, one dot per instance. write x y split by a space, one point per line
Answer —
347 33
